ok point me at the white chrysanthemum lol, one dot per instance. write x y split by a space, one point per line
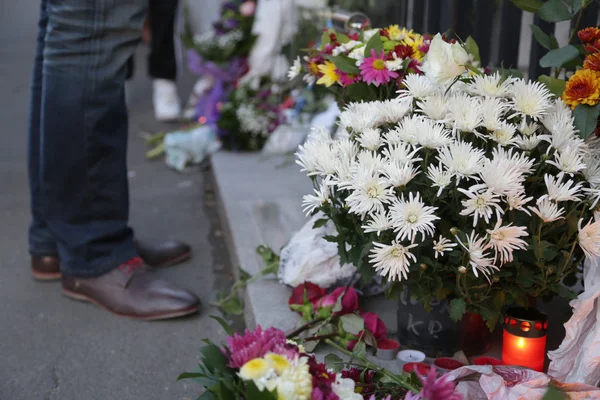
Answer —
561 191
501 176
411 217
464 112
505 239
393 110
392 261
316 156
295 69
432 135
322 196
407 131
517 201
461 158
346 148
359 116
479 260
370 139
370 160
529 143
504 135
434 106
490 85
592 170
417 87
492 109
369 192
309 79
296 382
593 195
481 204
358 54
439 177
402 153
442 245
344 388
569 160
400 175
531 99
560 124
344 171
547 210
395 64
524 163
529 128
379 222
589 238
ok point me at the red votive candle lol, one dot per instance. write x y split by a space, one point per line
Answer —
447 364
487 361
387 349
420 368
524 340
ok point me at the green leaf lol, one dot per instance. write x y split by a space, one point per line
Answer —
574 5
231 305
253 393
554 85
554 11
331 238
190 375
558 57
213 358
345 64
361 92
224 392
554 394
472 48
352 323
228 329
320 223
342 38
586 119
333 362
543 39
458 307
528 5
207 396
374 43
325 39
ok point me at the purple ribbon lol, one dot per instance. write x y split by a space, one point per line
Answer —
223 76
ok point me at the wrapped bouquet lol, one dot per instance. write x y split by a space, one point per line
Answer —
475 188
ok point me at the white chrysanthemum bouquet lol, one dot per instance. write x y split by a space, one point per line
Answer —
476 189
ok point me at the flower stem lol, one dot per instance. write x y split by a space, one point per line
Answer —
368 364
302 328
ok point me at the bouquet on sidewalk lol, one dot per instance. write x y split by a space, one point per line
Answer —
370 65
263 364
475 188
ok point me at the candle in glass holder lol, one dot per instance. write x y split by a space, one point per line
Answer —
409 356
524 340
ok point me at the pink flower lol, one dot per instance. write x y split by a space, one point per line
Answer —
306 292
349 302
248 8
373 69
347 79
255 344
375 325
435 388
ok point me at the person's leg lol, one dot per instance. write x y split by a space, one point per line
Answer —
41 240
84 189
162 63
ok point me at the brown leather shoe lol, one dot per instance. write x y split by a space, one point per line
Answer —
164 254
45 268
131 290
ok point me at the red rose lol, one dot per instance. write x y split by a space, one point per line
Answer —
306 293
375 325
349 302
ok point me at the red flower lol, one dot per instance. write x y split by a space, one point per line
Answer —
404 51
322 380
375 325
588 35
592 47
306 293
349 302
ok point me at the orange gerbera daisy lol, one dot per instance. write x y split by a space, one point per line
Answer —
592 61
583 88
588 35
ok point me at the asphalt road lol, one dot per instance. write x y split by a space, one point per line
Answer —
53 348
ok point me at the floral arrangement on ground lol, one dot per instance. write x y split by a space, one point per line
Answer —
475 188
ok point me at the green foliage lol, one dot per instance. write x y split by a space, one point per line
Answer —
557 58
345 64
554 85
586 119
528 5
458 307
547 41
374 43
472 48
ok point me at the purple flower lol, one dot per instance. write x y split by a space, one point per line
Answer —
231 23
257 343
435 388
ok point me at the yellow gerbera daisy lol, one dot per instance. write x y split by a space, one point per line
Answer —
330 76
582 88
254 369
279 363
394 32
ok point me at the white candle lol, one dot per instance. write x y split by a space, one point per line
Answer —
406 356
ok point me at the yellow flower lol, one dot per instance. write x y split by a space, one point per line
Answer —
394 32
296 382
278 362
582 88
329 75
255 369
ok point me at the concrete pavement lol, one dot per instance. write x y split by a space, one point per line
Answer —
52 348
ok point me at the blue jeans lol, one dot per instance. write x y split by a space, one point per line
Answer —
78 133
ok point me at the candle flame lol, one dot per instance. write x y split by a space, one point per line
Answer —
521 343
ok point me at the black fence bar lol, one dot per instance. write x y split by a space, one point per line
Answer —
463 18
433 15
537 51
418 15
510 34
484 17
588 18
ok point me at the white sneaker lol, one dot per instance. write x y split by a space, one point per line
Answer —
166 101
